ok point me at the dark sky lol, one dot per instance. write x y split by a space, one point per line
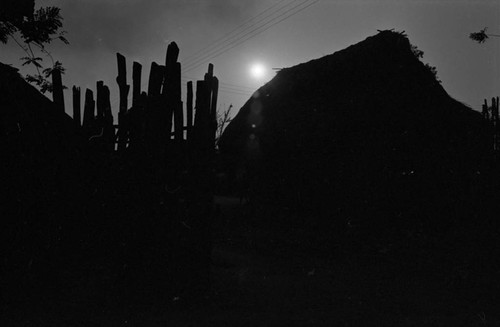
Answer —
282 33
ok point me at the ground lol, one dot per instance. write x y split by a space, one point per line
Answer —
265 278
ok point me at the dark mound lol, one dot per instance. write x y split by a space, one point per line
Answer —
364 134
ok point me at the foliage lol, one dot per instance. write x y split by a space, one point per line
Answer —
433 70
41 80
419 54
43 27
36 29
222 120
480 36
12 15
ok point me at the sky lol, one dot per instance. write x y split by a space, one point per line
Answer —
237 35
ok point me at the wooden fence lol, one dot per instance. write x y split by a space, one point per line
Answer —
491 114
179 150
156 116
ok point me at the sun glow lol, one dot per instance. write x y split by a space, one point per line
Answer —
257 70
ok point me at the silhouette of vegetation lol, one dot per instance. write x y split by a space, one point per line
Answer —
223 119
32 30
420 55
481 36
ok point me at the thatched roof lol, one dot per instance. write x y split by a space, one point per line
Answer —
376 81
346 121
37 143
24 110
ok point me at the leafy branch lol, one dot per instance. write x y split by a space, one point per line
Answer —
482 36
41 80
419 54
36 29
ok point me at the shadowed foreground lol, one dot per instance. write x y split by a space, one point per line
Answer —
367 197
274 278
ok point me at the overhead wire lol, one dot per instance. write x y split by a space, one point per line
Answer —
225 36
236 87
228 87
251 34
248 30
236 32
223 87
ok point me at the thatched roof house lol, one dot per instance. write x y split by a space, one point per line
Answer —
37 145
349 129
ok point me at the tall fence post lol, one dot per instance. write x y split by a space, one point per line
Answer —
155 128
124 88
88 113
485 112
136 83
77 106
172 90
108 128
213 106
202 149
189 110
57 91
100 104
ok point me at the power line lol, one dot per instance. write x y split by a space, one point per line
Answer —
229 88
233 92
247 31
223 87
225 36
220 42
197 62
239 86
235 89
228 85
241 40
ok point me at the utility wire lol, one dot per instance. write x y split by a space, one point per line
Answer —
222 42
228 85
241 40
226 36
247 31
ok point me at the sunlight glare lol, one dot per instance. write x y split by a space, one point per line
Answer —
257 70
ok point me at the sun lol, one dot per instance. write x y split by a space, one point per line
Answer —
257 70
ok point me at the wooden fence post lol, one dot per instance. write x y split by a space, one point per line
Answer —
57 90
136 83
108 128
485 110
100 104
201 171
189 110
171 92
155 128
88 113
155 80
124 88
202 113
76 106
213 106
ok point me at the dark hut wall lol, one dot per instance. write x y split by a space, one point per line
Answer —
366 127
